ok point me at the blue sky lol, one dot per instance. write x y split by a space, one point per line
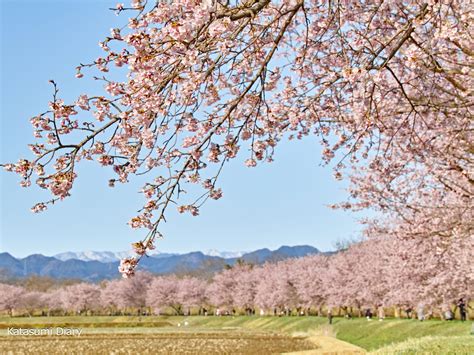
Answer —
276 204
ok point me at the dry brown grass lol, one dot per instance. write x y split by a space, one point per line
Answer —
229 342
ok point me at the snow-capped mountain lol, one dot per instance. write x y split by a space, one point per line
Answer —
102 256
224 254
111 256
254 256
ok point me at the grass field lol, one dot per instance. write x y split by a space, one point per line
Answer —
450 345
242 334
373 335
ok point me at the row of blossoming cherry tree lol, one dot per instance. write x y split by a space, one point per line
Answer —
370 274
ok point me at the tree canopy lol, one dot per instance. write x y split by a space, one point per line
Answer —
385 85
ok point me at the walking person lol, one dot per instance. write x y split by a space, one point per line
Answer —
420 313
381 313
462 309
448 315
368 314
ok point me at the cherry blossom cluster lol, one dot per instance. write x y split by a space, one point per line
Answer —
385 86
127 266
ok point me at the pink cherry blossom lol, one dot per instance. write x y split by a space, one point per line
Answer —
378 89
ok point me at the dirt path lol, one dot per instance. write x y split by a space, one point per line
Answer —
325 340
330 346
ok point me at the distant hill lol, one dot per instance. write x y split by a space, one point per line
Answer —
110 256
102 256
96 266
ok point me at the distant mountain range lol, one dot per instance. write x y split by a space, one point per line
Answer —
110 256
102 256
96 266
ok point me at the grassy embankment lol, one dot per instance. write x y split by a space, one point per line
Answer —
388 336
